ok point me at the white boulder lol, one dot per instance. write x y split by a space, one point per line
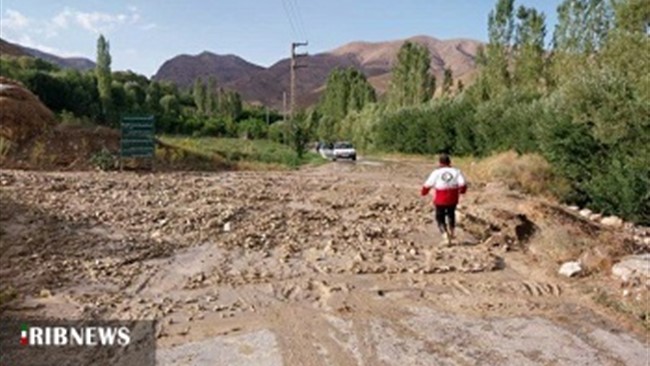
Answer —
632 266
596 217
585 212
570 269
612 221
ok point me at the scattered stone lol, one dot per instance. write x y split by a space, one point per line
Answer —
227 227
573 208
45 293
570 269
585 213
632 266
596 217
612 221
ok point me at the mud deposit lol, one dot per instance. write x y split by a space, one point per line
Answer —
336 265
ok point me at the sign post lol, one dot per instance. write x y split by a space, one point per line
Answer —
138 139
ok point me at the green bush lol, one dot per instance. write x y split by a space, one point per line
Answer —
253 128
361 127
595 132
506 122
423 130
278 132
104 160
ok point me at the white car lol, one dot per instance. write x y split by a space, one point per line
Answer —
344 150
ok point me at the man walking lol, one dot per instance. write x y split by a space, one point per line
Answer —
448 184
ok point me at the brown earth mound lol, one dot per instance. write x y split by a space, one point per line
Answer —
22 114
32 138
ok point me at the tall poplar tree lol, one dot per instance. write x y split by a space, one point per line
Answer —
411 82
104 79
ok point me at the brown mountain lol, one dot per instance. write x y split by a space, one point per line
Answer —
16 50
184 69
266 85
10 49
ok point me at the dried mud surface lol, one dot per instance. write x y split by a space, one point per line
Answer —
335 265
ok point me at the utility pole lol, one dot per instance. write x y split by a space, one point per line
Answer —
284 106
294 67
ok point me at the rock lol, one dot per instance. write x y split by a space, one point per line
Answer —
596 217
632 266
597 258
585 213
570 269
227 227
574 208
612 221
45 293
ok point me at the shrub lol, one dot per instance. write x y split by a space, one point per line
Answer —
506 123
278 132
253 128
104 160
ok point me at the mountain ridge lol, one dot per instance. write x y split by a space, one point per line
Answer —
265 85
16 50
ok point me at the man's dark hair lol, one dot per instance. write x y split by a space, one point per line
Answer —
444 159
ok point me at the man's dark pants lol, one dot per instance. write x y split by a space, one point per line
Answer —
446 214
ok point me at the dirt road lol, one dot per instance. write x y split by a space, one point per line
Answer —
335 265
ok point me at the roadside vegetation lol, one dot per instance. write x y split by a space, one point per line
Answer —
235 153
580 105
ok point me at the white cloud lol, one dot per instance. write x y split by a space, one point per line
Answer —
97 22
149 26
13 21
27 41
35 32
61 20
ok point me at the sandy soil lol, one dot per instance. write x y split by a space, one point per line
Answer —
335 265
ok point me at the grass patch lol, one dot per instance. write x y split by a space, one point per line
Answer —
529 173
242 154
7 295
638 312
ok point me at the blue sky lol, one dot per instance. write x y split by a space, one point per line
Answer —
145 33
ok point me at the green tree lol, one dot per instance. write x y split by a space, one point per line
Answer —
170 105
346 90
447 81
411 83
500 30
230 105
582 25
529 62
104 77
211 98
632 15
581 30
154 93
200 96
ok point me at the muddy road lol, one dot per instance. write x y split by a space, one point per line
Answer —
334 265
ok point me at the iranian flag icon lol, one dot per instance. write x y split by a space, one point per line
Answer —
23 334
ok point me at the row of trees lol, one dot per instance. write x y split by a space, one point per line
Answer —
583 102
102 96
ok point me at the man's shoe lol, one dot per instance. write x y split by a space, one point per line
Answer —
449 237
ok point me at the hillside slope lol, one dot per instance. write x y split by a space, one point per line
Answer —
266 85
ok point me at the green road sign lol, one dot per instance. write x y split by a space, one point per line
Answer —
138 139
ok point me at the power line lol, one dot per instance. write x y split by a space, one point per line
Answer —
289 18
297 15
